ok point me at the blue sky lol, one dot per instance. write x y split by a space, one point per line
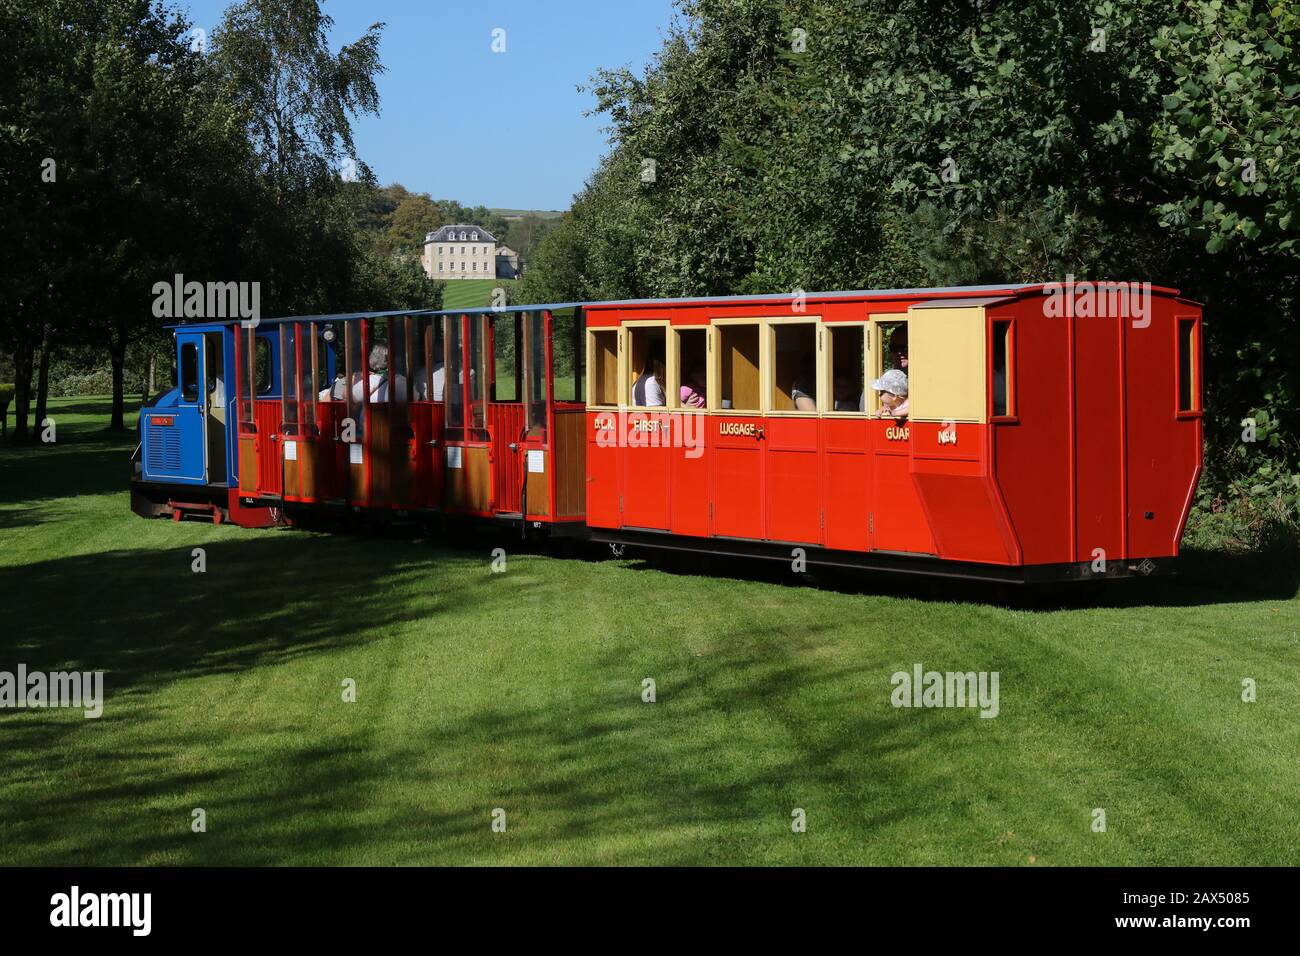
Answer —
500 129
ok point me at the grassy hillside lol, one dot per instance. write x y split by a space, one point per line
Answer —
523 691
539 213
471 293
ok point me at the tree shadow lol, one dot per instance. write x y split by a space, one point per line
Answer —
600 775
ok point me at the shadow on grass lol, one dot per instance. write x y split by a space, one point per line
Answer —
146 618
598 776
1201 578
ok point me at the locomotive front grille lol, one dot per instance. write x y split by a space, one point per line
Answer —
162 449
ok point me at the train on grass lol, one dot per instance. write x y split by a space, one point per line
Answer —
1023 433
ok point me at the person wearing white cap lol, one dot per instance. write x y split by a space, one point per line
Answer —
892 387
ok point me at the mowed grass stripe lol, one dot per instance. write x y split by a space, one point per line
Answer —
523 691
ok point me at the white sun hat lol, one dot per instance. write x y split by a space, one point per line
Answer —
893 381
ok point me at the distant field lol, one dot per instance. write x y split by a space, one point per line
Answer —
539 213
471 293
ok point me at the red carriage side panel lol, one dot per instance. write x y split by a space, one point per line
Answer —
792 480
1031 458
960 499
898 520
735 447
603 469
1099 438
846 484
1163 425
690 476
646 470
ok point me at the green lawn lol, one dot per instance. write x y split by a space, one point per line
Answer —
471 293
522 691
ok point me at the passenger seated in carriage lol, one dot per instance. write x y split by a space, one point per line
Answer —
803 391
648 390
692 391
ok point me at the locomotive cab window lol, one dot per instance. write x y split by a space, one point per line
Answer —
189 372
602 346
648 369
1188 373
688 386
847 363
793 385
738 367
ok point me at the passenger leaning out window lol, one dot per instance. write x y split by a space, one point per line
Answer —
892 387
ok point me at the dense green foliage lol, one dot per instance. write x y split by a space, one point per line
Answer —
820 144
130 153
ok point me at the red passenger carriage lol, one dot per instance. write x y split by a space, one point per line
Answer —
1051 432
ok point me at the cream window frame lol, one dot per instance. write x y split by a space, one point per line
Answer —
827 372
876 355
589 387
767 365
714 374
627 376
674 366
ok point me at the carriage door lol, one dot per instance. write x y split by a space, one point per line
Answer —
897 520
305 372
426 410
507 411
740 431
467 455
176 444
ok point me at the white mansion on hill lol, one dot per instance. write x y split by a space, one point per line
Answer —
467 252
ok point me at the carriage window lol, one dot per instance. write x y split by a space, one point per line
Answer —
892 353
794 356
1187 370
265 378
566 355
397 386
288 375
537 373
1002 385
429 374
313 371
506 356
691 387
847 362
189 372
647 373
454 383
478 414
738 367
604 366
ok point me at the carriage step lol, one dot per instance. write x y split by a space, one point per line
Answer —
207 509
